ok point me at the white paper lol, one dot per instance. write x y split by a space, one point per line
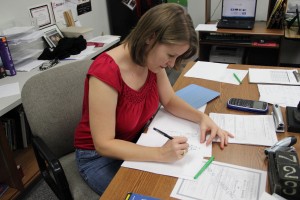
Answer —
282 95
105 39
9 90
206 27
215 72
187 167
29 66
248 129
175 126
184 168
222 181
273 76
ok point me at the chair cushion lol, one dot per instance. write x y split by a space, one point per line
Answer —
78 187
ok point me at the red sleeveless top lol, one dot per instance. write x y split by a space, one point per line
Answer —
134 108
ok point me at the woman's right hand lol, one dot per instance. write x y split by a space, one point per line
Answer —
174 149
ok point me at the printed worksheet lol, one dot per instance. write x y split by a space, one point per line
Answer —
273 76
282 95
222 181
248 129
188 166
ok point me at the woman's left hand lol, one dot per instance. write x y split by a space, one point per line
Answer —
207 125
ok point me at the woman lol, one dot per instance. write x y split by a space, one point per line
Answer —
123 89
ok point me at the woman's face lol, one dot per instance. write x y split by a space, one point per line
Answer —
164 55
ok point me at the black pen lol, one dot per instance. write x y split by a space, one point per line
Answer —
163 133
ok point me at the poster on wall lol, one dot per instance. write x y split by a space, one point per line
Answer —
83 6
131 4
58 9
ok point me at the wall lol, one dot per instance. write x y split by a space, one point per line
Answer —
18 11
98 19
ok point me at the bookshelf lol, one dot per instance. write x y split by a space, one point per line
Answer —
18 168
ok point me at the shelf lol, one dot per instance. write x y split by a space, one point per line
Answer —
25 158
261 45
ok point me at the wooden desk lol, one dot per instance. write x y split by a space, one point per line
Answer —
260 54
131 180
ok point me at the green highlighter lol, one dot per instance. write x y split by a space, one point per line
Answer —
204 167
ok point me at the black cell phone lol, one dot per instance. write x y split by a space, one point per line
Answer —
248 105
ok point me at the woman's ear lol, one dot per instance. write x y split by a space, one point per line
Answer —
151 39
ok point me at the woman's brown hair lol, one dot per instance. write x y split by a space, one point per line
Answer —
170 24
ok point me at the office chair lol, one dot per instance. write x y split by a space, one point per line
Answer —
52 101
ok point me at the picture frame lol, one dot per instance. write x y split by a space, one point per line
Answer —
52 35
42 15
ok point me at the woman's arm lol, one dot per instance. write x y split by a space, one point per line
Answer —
178 107
102 112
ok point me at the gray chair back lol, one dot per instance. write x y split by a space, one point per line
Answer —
52 101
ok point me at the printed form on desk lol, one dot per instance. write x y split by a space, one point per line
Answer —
248 129
215 72
283 95
188 166
274 76
222 181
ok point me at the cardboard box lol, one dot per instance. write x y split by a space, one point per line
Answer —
74 31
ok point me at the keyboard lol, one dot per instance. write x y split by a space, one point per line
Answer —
235 24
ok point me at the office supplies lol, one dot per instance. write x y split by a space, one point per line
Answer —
285 144
163 133
237 78
284 174
293 118
247 105
222 181
274 76
277 15
197 96
278 119
204 167
238 14
135 196
247 129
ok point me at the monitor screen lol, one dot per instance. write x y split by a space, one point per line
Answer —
239 8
